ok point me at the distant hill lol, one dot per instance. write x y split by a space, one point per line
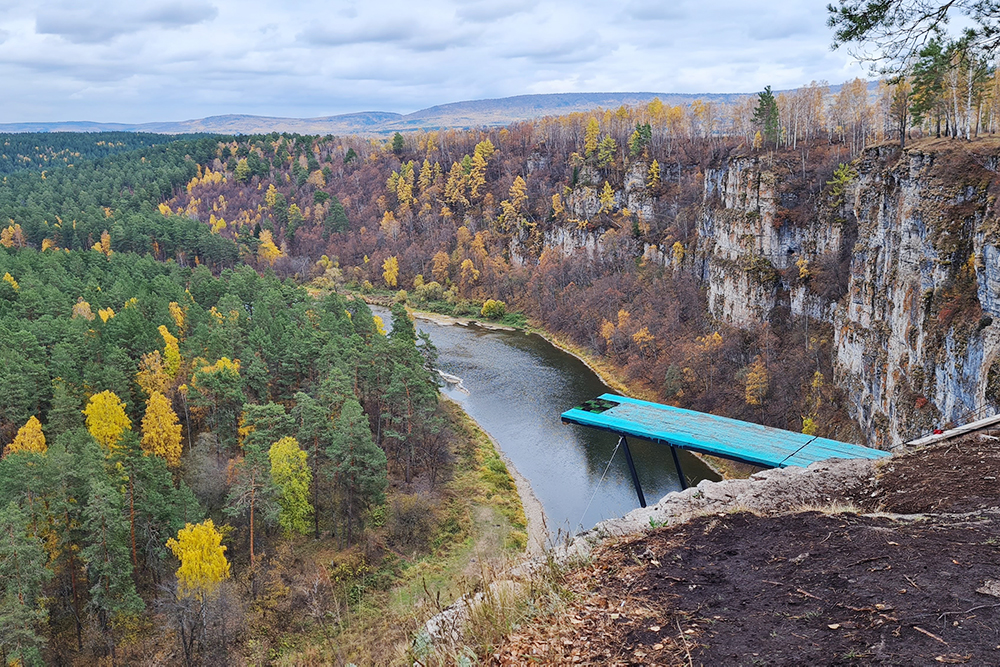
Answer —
457 115
474 113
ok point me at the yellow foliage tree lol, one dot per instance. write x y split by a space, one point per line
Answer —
757 381
456 185
390 271
268 252
161 432
104 245
677 249
426 176
151 376
480 159
106 419
644 340
106 314
177 313
29 438
590 137
271 196
608 332
653 175
202 555
12 236
389 225
171 352
557 206
292 476
7 278
82 309
607 198
468 274
803 265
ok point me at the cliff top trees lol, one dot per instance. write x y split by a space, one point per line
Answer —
887 33
765 116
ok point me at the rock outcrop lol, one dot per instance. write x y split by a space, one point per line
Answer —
899 255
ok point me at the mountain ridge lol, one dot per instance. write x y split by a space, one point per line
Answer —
453 115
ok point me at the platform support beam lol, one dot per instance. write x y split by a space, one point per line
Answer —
631 469
677 465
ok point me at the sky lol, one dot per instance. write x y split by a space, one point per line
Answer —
135 61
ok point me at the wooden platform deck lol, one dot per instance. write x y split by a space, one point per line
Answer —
709 434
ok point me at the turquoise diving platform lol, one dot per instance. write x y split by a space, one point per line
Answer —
700 432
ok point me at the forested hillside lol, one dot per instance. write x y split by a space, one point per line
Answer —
32 152
188 399
140 397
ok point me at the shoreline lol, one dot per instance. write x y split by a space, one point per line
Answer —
613 384
534 512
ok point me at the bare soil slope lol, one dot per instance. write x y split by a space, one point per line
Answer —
912 577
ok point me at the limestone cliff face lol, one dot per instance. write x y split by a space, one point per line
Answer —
751 247
914 339
901 259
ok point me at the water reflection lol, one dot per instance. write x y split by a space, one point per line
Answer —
518 386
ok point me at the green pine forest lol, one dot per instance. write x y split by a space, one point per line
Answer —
178 428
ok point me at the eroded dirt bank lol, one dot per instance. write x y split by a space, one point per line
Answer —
841 563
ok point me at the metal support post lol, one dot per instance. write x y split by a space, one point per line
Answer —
631 469
677 465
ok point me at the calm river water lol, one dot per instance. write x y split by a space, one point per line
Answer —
518 386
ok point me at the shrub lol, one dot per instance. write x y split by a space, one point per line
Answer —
493 309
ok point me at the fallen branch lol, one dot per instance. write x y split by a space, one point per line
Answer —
687 649
929 634
968 611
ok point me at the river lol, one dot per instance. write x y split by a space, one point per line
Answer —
518 384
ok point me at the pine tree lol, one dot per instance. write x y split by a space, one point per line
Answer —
357 465
22 574
252 492
314 430
106 555
766 116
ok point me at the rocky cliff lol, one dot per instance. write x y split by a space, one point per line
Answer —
899 253
913 315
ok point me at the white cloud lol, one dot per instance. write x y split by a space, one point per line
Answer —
136 60
101 23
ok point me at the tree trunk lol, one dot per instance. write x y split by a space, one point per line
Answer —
131 518
252 493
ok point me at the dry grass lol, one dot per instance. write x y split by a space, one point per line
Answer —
478 533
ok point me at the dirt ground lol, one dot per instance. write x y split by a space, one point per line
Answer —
908 575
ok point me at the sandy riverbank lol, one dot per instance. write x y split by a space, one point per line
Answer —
534 513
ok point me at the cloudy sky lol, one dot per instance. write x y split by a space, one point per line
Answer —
138 61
